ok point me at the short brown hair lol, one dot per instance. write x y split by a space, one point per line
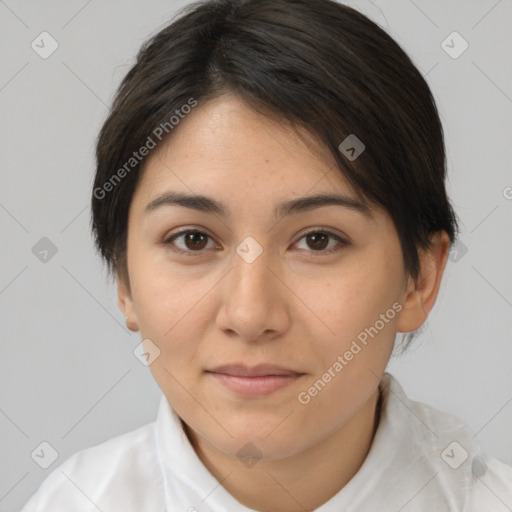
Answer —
315 63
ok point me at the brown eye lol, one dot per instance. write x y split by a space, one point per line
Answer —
317 241
321 242
195 240
191 240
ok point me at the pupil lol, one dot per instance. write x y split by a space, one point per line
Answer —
315 239
194 238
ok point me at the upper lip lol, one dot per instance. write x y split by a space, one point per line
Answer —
253 371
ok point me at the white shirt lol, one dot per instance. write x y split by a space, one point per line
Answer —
421 459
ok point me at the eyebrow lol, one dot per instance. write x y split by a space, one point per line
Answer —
302 204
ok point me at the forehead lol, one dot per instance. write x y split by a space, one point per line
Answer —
225 143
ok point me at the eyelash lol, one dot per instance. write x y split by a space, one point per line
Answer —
342 243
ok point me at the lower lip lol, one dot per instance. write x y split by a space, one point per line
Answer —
255 386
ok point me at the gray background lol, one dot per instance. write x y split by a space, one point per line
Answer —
68 375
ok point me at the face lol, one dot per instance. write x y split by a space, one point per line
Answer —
312 291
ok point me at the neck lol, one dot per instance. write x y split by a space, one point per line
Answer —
303 481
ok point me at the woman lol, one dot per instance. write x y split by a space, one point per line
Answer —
270 197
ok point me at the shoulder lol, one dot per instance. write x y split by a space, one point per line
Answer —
492 486
109 476
445 448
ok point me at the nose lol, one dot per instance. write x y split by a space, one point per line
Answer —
254 303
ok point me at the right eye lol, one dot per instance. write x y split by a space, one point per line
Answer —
191 241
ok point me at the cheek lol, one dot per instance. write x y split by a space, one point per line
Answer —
344 300
353 342
173 311
359 326
170 299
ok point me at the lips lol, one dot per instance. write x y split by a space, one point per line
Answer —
261 370
253 382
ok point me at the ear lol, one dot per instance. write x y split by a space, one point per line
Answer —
419 298
125 302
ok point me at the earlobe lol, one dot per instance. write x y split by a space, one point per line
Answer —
125 303
419 297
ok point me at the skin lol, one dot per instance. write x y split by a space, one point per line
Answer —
293 306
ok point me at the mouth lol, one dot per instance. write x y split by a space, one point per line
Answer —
254 381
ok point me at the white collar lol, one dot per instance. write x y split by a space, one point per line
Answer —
405 462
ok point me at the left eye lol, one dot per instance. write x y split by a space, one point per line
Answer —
319 240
